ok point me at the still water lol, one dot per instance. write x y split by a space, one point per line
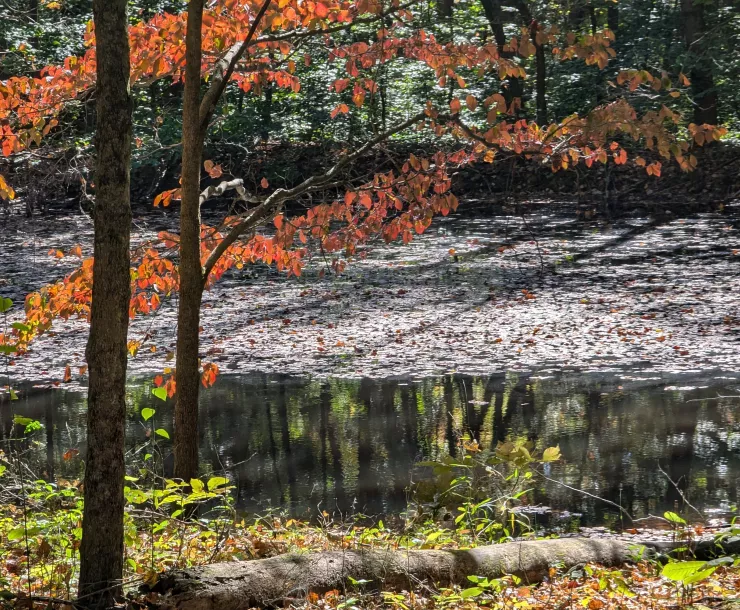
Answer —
304 445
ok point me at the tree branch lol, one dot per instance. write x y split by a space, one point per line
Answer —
270 206
225 67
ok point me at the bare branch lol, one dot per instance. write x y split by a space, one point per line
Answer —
216 191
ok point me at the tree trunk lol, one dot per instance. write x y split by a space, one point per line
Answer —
612 17
287 578
702 79
539 57
494 15
191 275
541 84
101 551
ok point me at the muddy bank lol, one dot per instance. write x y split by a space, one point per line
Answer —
476 294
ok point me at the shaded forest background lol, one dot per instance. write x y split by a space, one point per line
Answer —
285 135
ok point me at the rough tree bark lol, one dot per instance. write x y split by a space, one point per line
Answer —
101 563
278 580
702 79
191 275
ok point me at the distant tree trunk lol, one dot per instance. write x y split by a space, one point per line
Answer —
101 551
539 58
494 14
191 275
702 79
267 114
541 84
592 17
612 17
445 7
49 425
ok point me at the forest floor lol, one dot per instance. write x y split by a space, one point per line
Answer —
532 287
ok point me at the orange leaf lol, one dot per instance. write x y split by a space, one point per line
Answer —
264 183
213 170
67 374
455 106
279 221
69 454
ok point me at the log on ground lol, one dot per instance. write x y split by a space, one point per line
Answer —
273 581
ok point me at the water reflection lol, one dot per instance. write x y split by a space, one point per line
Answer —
346 445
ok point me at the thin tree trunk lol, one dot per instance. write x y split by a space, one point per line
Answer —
494 14
267 114
702 79
191 275
539 57
196 114
101 551
541 84
612 17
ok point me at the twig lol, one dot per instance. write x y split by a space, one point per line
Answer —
680 493
585 493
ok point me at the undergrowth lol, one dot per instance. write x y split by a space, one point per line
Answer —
173 524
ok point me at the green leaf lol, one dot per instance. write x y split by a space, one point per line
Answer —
19 420
16 534
163 433
551 454
132 479
147 413
215 482
196 485
13 394
160 393
19 533
471 592
20 326
687 572
5 305
674 518
7 349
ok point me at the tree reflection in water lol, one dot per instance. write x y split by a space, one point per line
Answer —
351 445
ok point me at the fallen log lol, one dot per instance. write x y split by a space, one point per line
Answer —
273 581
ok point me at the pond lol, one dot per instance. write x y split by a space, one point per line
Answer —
305 445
